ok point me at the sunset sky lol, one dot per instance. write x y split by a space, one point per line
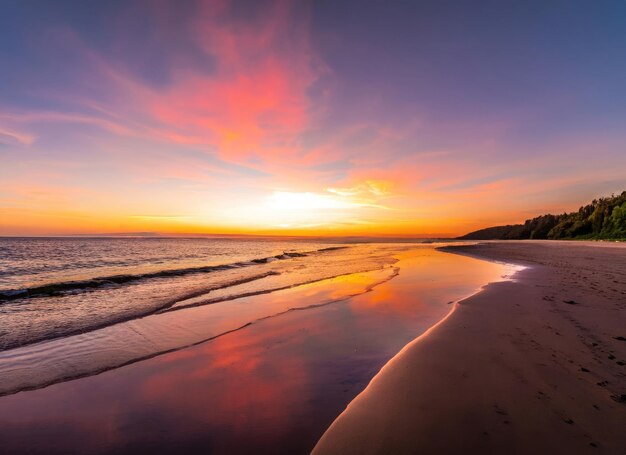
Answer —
315 118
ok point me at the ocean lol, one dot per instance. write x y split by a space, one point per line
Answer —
53 288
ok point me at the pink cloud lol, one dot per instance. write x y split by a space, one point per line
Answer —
253 105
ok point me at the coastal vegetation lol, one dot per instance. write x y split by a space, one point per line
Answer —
602 219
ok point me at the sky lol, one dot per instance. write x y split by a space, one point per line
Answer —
420 118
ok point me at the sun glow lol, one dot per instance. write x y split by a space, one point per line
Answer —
283 201
304 210
299 210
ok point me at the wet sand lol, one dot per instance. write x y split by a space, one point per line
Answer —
272 386
531 366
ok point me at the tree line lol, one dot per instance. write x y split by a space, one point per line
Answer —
603 219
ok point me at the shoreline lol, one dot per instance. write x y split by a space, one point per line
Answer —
272 387
550 335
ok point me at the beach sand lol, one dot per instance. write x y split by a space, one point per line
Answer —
532 366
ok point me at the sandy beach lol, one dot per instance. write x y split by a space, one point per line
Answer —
534 365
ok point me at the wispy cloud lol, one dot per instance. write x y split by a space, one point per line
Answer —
10 136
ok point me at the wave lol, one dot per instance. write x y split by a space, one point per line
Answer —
125 317
177 304
31 359
209 301
76 286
